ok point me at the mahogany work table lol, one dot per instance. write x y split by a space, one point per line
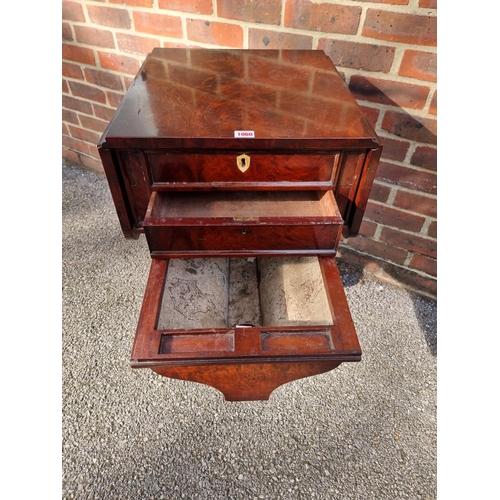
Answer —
229 157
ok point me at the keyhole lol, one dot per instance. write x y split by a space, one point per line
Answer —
243 162
244 230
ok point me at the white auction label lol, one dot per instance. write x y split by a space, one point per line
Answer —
244 133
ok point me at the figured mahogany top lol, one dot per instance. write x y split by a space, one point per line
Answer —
198 98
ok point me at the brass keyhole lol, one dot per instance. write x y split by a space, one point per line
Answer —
243 162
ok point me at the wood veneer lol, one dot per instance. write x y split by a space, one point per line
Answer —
227 153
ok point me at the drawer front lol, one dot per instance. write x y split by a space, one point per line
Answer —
240 169
234 240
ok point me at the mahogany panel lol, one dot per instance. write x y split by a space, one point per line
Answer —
238 239
121 196
275 170
136 182
173 104
250 382
358 207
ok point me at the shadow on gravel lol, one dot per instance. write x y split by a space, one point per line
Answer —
425 309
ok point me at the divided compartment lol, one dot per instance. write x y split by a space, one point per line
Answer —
244 310
229 223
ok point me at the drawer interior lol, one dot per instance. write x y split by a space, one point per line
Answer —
244 310
245 206
224 293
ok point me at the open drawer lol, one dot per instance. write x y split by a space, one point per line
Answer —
229 223
244 326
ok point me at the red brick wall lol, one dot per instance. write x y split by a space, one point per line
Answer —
385 49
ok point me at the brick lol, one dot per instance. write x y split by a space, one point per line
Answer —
70 117
367 56
81 55
94 36
428 4
119 63
84 135
424 205
323 17
408 241
128 81
388 216
75 144
134 3
424 285
109 16
76 105
103 79
72 11
424 264
379 192
87 92
67 34
193 6
178 45
419 65
392 2
378 249
433 104
432 229
136 44
368 228
390 273
65 88
258 11
93 164
114 99
229 35
71 156
425 157
407 177
65 129
394 149
158 24
388 92
260 39
94 151
93 123
415 129
72 71
103 112
400 27
371 115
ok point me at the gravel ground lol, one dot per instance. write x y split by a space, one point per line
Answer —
363 431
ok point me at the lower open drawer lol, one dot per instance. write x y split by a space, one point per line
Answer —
244 326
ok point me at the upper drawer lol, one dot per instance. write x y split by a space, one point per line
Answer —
242 170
